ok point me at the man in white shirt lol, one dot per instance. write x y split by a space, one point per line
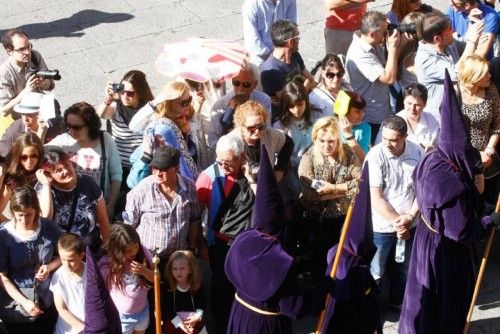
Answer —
393 201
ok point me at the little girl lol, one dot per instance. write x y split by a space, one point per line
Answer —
126 270
184 299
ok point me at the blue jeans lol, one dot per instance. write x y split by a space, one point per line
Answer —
386 244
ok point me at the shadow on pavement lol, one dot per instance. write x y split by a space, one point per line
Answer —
72 26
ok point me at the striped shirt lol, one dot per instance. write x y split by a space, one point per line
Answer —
126 140
159 223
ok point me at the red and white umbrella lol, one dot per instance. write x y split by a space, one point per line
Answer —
201 59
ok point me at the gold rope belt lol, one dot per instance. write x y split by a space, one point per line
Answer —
253 308
427 224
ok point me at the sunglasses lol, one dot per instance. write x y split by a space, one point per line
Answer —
254 128
25 157
331 75
129 93
74 127
226 163
245 84
186 102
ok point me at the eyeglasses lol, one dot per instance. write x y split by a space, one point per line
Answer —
331 75
25 157
225 163
186 102
245 84
254 128
74 127
24 49
129 93
292 38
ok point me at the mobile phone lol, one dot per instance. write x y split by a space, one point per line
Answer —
317 184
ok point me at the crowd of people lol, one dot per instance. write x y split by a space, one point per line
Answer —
242 187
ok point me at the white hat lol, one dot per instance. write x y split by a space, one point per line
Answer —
30 103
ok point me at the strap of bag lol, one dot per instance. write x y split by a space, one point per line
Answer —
73 205
103 158
219 183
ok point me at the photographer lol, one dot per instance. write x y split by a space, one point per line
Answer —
16 74
121 103
370 72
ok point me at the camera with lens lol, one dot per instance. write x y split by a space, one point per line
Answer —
117 87
409 28
46 74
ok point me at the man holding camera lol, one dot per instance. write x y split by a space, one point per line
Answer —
370 72
17 74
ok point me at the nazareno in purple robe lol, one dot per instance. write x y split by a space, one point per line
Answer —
353 306
441 278
262 271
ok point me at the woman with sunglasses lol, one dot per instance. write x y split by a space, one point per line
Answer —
28 246
119 107
164 122
250 120
329 173
94 152
331 82
23 160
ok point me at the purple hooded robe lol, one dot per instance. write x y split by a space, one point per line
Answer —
441 278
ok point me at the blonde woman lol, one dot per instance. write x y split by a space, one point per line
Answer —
481 107
329 173
251 124
164 121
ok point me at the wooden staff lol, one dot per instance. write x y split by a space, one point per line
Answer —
156 287
336 261
481 273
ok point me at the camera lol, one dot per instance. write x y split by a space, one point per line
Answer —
46 74
409 28
117 87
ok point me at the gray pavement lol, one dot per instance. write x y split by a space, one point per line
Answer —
92 42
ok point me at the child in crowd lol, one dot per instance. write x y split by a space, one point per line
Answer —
183 312
68 285
126 270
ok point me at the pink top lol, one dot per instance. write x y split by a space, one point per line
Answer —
133 298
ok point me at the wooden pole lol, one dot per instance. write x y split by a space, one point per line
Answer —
482 268
335 266
156 289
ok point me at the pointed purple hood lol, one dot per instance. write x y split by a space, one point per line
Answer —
454 137
454 160
101 315
269 210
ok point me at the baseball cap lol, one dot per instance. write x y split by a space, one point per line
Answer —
165 157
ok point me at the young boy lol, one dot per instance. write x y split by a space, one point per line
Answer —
68 285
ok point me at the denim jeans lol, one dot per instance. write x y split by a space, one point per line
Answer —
386 244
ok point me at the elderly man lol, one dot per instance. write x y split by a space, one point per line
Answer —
16 74
369 70
29 109
225 188
244 85
258 17
164 206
